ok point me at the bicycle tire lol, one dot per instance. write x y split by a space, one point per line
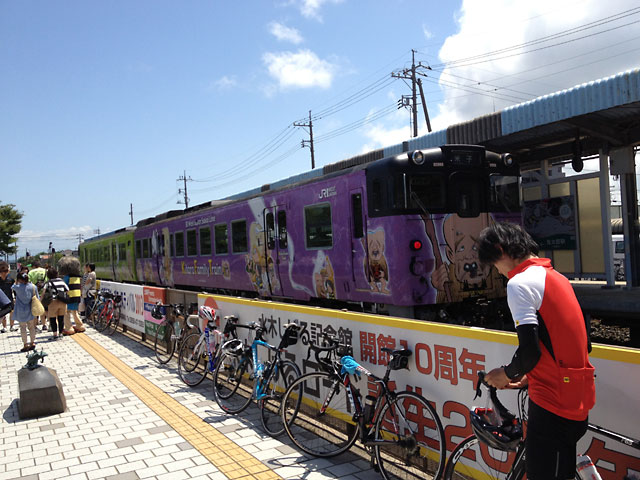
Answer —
319 433
277 385
233 382
102 320
164 344
113 323
192 360
414 424
469 460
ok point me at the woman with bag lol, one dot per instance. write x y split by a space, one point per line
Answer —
25 292
54 289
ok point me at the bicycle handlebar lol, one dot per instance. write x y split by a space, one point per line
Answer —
503 411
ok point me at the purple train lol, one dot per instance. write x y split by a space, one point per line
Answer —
391 235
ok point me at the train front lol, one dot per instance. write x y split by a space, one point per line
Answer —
427 208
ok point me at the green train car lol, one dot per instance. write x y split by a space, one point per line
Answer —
113 255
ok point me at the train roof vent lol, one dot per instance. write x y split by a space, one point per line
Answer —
354 161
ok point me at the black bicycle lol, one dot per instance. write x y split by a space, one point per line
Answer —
172 330
500 453
401 430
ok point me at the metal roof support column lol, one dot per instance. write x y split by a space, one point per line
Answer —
605 210
623 164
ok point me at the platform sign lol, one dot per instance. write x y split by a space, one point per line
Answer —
552 222
444 366
152 295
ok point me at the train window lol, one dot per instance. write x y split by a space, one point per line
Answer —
205 241
271 231
239 236
317 226
619 247
430 191
161 245
376 195
138 249
171 252
504 193
192 243
356 209
122 251
221 239
282 229
179 244
145 248
466 194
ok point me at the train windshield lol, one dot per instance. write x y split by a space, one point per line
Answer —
429 189
504 193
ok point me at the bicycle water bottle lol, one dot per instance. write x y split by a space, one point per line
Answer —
178 329
369 404
586 469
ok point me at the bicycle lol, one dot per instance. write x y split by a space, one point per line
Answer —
401 430
109 316
200 353
96 305
241 377
170 334
474 458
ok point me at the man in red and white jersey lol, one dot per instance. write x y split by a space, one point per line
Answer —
553 352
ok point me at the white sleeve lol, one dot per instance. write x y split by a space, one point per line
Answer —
525 292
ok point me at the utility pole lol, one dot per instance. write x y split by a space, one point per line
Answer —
131 212
80 238
410 74
183 191
308 143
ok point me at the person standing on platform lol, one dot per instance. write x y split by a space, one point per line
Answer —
24 292
57 309
5 286
38 276
69 267
553 351
89 286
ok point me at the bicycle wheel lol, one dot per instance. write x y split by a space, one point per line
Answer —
102 320
192 360
233 382
414 425
165 343
280 380
321 423
113 323
472 459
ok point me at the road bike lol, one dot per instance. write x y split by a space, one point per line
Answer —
401 430
95 307
241 376
108 317
472 458
171 332
200 353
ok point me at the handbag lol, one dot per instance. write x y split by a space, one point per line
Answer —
37 308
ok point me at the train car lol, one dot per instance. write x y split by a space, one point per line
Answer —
113 254
393 235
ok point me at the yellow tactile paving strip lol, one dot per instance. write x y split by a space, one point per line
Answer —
231 459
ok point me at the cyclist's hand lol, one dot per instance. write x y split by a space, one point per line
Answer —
497 378
518 383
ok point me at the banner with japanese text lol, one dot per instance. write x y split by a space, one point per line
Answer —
131 310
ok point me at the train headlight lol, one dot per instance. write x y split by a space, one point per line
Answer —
507 159
417 157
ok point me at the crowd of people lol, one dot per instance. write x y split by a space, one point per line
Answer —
65 292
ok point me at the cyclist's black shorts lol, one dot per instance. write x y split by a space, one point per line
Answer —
551 444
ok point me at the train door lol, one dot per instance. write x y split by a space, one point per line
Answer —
114 259
157 254
358 240
275 248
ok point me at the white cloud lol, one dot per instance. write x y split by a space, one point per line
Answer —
481 87
426 32
284 33
225 83
311 8
301 69
36 241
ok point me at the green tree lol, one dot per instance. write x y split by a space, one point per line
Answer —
10 226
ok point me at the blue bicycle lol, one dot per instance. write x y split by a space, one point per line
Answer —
240 376
200 353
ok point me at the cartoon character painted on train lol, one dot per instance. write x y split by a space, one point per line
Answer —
463 276
324 278
376 268
260 267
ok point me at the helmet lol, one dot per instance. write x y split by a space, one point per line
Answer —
490 429
207 313
156 312
233 347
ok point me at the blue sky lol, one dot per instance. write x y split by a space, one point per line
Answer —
105 104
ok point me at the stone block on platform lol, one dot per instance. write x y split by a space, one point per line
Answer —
41 392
